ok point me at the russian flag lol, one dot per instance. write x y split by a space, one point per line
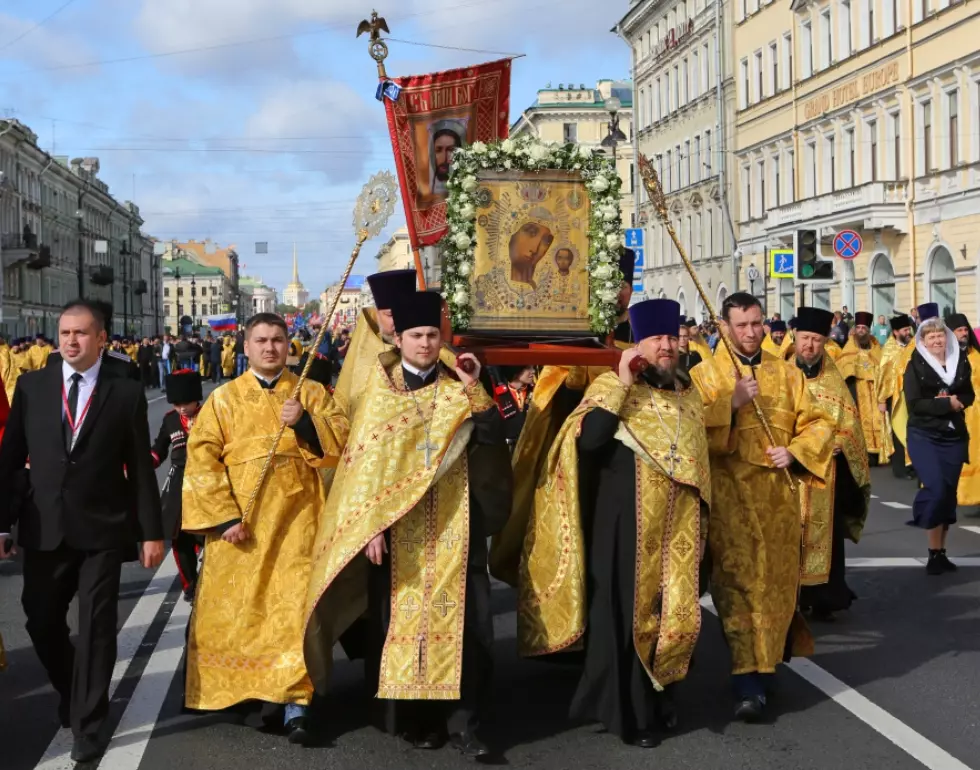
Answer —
223 323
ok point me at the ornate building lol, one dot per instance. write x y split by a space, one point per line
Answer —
295 293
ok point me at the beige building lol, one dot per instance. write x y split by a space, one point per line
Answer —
396 253
582 115
295 293
863 115
683 114
193 290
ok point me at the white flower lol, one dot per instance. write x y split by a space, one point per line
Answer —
584 152
603 257
494 153
507 146
612 241
461 297
599 184
467 212
469 184
508 164
577 167
607 295
603 271
462 241
478 148
465 268
539 152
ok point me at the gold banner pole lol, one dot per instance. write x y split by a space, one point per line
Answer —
374 207
652 184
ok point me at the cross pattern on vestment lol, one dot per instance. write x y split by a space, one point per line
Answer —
410 541
449 539
410 606
444 605
428 447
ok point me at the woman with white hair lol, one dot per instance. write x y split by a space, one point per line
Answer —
938 388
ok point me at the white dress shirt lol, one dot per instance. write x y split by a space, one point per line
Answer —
418 372
86 387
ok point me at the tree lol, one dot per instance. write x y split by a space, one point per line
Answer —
285 309
311 307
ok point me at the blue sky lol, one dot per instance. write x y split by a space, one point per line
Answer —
255 120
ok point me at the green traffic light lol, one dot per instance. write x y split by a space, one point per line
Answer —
807 271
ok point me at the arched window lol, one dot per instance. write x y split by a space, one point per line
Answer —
682 301
942 281
722 296
882 286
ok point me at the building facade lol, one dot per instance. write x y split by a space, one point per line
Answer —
63 235
192 292
683 116
295 293
353 296
256 296
582 115
862 115
396 253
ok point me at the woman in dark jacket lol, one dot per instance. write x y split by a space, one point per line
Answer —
938 388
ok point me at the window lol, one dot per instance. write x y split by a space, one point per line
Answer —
706 66
570 132
851 157
657 104
696 236
777 179
897 10
670 175
927 136
685 83
845 29
698 174
791 162
677 156
668 105
954 128
743 97
787 61
873 139
826 40
760 92
677 89
806 48
882 286
746 193
744 5
687 161
872 29
774 63
832 161
695 76
643 108
166 310
166 291
709 234
707 152
761 171
896 121
942 281
811 164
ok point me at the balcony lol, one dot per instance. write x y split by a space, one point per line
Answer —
16 248
872 206
139 287
41 259
102 275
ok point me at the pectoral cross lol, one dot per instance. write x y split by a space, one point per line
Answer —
427 447
673 458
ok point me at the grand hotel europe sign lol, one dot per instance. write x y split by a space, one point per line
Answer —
674 37
852 90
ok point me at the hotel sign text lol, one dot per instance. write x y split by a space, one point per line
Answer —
851 91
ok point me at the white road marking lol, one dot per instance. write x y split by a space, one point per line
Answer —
136 726
906 561
129 641
900 506
874 497
974 530
904 737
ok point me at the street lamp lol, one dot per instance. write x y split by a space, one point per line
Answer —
194 302
616 135
180 330
80 216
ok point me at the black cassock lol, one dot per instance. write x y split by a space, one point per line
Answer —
614 688
490 495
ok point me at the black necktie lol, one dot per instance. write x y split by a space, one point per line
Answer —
72 410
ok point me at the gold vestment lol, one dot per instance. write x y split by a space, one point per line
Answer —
383 483
968 492
246 631
783 350
755 532
832 349
552 603
863 365
891 385
830 395
8 372
37 356
228 358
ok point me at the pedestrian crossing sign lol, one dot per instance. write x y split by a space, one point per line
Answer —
782 263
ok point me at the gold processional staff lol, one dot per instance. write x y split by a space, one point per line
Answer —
373 208
652 184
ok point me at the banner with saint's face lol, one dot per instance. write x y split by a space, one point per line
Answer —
432 117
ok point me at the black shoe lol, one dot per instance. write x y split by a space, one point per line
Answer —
750 709
469 745
272 715
644 739
85 749
935 566
428 740
297 732
64 712
821 615
189 594
947 565
666 711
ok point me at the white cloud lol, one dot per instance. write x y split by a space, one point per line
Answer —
46 46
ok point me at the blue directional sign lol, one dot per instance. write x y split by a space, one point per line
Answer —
847 244
638 264
634 237
782 263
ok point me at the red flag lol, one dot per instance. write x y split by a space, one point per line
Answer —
433 116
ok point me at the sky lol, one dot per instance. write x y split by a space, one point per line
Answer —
255 120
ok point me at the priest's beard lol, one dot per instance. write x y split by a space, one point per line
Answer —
658 376
812 360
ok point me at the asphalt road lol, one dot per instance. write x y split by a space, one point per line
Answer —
895 683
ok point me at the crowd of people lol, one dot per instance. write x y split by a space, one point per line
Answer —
610 499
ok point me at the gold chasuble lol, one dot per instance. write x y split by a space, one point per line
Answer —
833 350
968 492
783 350
891 379
396 475
830 395
228 357
361 359
671 483
755 534
863 365
246 631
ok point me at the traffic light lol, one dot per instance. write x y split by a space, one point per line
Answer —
809 266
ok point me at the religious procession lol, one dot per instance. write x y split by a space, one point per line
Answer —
528 428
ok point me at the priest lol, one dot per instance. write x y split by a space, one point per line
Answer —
837 508
968 491
754 532
404 537
778 342
859 364
687 356
246 631
895 357
612 548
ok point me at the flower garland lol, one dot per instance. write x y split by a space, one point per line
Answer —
526 153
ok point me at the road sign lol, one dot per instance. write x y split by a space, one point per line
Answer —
847 244
752 274
638 265
782 263
634 237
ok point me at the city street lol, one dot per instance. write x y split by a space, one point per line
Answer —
894 684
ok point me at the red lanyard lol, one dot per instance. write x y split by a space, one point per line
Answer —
73 424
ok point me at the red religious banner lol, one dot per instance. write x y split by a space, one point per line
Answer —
434 115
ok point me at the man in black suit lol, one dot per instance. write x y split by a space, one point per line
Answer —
94 498
116 364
